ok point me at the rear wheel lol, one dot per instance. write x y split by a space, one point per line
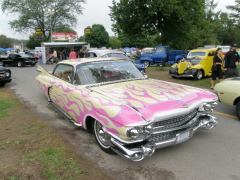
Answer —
238 110
198 75
20 64
147 64
102 137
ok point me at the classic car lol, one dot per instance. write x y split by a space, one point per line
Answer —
5 76
198 64
18 59
114 53
228 93
128 114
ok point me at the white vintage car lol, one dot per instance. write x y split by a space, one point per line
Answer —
228 92
127 113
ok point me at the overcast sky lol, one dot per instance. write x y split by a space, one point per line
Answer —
95 12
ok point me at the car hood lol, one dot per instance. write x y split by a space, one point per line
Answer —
153 99
2 68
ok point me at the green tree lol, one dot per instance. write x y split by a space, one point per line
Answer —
81 38
5 42
98 37
177 21
235 19
64 29
34 41
44 14
114 42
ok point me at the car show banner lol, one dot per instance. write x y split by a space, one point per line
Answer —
64 36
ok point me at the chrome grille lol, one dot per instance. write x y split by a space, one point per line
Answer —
170 135
2 74
162 136
175 122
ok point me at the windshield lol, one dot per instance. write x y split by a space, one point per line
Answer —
107 71
117 55
197 53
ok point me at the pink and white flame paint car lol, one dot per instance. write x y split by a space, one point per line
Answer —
128 114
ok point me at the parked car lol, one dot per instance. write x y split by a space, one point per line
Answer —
19 60
228 93
198 64
114 53
161 56
5 76
128 114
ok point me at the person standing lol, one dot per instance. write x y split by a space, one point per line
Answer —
40 55
73 54
55 56
217 60
137 55
231 62
81 54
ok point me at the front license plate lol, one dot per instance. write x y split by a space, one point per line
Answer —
183 137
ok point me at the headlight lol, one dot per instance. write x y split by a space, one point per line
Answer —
207 107
214 104
148 129
132 133
189 65
174 65
7 74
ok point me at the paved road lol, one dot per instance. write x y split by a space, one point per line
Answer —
209 155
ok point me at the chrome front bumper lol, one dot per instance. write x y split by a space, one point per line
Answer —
139 151
182 75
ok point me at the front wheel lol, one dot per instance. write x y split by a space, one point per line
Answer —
238 110
20 64
33 64
147 64
198 75
102 137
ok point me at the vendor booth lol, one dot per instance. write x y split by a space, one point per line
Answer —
48 47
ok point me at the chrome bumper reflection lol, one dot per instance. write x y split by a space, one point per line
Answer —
139 151
182 75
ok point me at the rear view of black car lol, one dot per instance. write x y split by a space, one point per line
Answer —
5 76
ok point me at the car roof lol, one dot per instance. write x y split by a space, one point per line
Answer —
75 62
107 51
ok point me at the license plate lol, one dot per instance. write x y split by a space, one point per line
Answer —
183 137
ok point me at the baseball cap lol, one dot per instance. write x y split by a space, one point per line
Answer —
234 45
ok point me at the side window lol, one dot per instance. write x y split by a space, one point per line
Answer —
64 71
91 54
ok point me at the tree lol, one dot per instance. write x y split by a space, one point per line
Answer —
44 14
177 21
64 29
34 41
114 42
98 37
5 42
235 19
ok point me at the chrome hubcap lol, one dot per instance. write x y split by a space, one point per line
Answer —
102 136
